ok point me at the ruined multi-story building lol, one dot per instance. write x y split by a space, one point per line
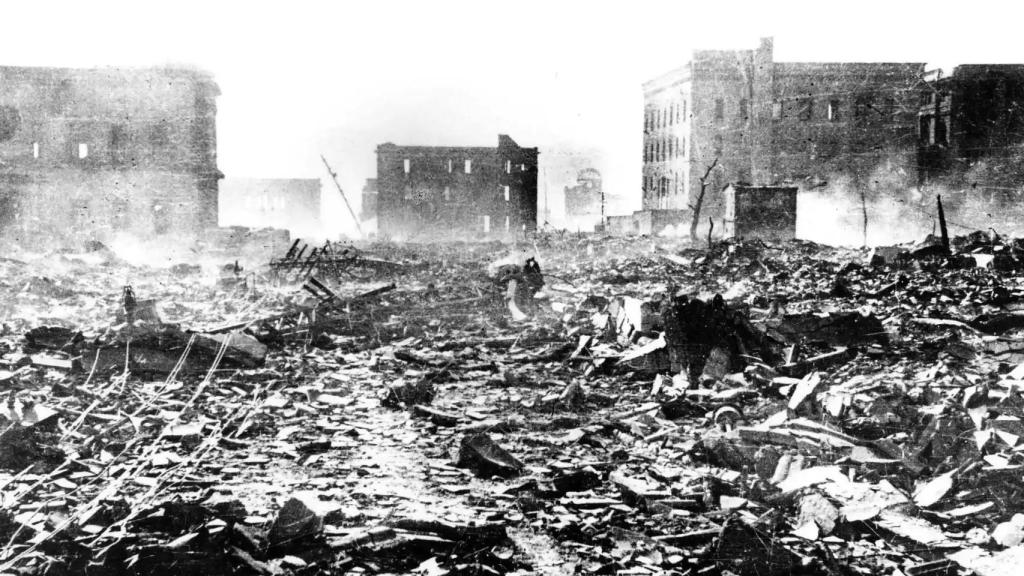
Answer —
368 208
292 204
583 201
94 152
971 128
440 192
765 122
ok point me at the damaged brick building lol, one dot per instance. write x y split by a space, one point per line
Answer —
440 192
971 128
368 208
769 123
107 150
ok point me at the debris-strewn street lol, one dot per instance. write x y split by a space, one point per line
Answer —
574 405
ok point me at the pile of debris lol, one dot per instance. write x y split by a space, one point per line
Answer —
595 406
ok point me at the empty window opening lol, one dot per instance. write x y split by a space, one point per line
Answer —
806 110
833 110
776 110
508 166
447 193
508 193
888 106
10 122
469 166
522 167
35 149
487 223
83 150
862 105
449 166
940 132
406 165
508 223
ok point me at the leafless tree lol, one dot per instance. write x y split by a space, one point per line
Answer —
696 206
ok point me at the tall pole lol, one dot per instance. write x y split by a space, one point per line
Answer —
547 214
942 225
343 197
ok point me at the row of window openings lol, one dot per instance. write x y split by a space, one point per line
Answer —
662 185
83 150
507 190
862 106
662 117
933 131
665 149
508 224
467 167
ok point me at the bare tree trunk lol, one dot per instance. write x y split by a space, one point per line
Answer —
864 209
696 206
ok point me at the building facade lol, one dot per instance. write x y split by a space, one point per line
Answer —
765 122
368 208
437 192
291 204
90 153
971 128
583 201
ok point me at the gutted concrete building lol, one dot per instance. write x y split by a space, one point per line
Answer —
368 208
440 192
971 128
766 122
291 204
95 152
583 201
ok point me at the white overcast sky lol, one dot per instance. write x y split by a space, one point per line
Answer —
300 78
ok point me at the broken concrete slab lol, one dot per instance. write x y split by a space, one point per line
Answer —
836 329
484 456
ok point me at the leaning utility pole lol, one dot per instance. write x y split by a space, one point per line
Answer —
343 197
942 226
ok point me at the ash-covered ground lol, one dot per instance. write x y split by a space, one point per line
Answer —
613 406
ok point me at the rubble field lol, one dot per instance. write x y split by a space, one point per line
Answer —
570 405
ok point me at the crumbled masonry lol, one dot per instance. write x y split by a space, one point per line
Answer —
593 406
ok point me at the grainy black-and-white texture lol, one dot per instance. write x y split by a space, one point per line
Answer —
462 288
